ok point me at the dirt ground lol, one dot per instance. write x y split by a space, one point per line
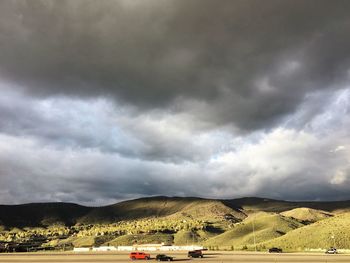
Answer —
97 257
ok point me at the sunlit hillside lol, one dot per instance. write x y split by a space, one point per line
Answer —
256 228
334 231
307 215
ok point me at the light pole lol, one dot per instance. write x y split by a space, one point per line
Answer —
333 237
254 234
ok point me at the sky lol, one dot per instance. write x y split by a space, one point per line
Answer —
103 101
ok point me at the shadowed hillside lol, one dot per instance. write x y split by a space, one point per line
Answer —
156 207
41 214
44 214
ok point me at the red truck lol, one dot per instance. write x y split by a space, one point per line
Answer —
139 255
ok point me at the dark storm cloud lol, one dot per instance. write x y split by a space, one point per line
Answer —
109 100
254 61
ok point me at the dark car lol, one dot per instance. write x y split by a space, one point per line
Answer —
332 250
195 254
162 257
275 250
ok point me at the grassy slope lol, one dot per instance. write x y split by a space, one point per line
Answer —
307 214
86 241
267 226
128 240
182 237
260 204
137 209
317 235
207 210
278 206
192 237
175 207
45 214
185 238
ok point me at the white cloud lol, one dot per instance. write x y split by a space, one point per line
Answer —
339 148
339 178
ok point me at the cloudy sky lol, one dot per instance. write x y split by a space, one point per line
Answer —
102 101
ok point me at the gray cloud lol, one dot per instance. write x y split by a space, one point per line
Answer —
297 164
283 164
150 53
98 124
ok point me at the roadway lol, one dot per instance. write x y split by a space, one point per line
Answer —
237 257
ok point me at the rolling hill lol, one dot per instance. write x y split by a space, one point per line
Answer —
317 235
307 215
266 226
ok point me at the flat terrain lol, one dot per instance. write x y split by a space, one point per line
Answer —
70 257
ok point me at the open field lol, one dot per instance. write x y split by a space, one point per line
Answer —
179 256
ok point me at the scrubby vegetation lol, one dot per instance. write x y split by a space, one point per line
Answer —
120 233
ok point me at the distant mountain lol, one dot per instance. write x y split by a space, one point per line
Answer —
45 214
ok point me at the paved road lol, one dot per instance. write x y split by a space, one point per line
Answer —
236 257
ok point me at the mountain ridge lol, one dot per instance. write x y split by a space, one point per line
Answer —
66 213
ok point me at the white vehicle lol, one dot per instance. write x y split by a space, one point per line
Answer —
332 250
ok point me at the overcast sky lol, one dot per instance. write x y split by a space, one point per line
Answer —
102 101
